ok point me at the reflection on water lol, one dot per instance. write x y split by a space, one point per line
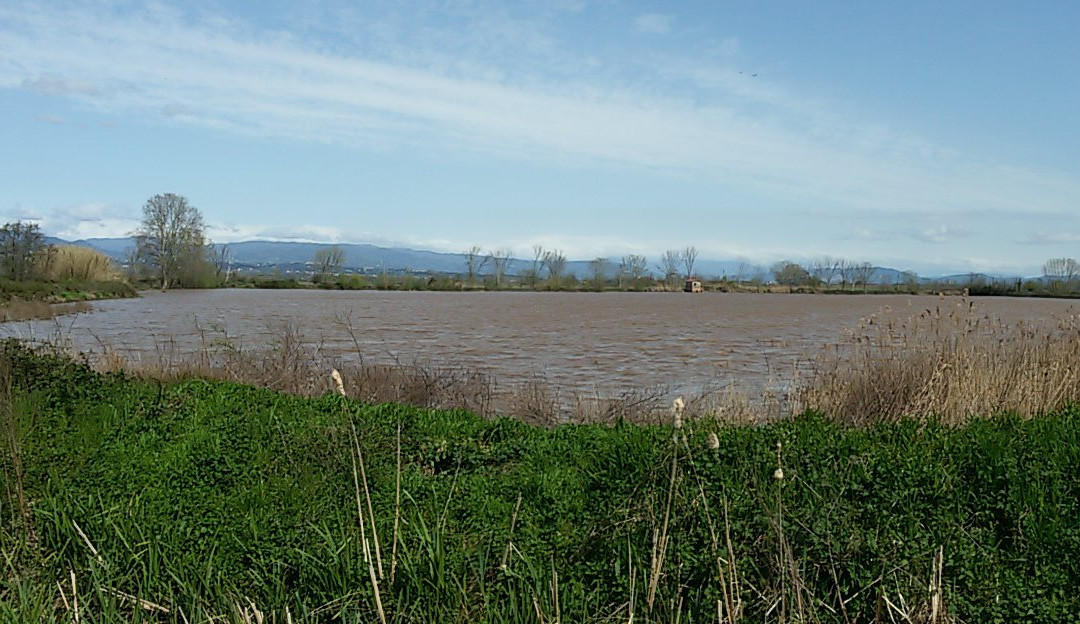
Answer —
585 342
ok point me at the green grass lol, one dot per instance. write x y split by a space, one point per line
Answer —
209 499
64 290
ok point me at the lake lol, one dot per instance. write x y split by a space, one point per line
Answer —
596 343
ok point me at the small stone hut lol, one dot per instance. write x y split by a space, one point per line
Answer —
693 286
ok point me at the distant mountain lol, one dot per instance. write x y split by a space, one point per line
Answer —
366 258
117 248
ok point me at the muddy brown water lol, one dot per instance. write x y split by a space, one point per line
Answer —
602 343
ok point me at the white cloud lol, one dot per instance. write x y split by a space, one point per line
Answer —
49 119
754 135
654 23
52 85
1050 238
940 234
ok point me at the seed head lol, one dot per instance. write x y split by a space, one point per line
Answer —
677 408
338 384
778 474
713 441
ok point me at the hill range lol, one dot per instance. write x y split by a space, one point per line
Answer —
292 257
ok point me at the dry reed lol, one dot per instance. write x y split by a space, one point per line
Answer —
78 263
951 363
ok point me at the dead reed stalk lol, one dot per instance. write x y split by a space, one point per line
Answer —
951 363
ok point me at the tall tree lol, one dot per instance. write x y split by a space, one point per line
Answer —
689 256
598 268
500 262
329 260
633 267
221 258
1062 272
790 273
555 263
669 266
473 262
170 239
22 246
861 274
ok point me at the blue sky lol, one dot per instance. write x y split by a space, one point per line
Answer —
931 136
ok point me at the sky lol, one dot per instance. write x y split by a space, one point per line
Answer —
929 136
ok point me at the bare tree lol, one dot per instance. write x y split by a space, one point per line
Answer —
669 266
170 238
329 260
555 263
500 261
861 274
909 279
846 270
689 256
473 262
743 270
221 258
532 274
634 268
826 269
1063 271
598 268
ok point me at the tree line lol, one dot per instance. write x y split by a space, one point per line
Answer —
171 250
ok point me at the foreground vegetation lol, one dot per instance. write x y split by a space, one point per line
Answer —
132 500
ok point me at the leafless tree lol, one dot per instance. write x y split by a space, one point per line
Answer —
169 237
826 269
633 267
532 274
555 263
861 274
909 279
473 262
221 258
500 261
329 260
846 270
689 256
1062 270
598 268
669 266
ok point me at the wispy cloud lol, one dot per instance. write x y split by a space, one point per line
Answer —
52 85
86 220
654 23
940 234
49 119
754 136
870 234
1050 238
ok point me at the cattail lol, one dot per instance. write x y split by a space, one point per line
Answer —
677 408
338 384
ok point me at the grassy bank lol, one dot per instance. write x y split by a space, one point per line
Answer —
39 299
132 500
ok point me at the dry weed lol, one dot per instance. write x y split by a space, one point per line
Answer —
950 363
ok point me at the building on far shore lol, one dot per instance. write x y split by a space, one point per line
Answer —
693 286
